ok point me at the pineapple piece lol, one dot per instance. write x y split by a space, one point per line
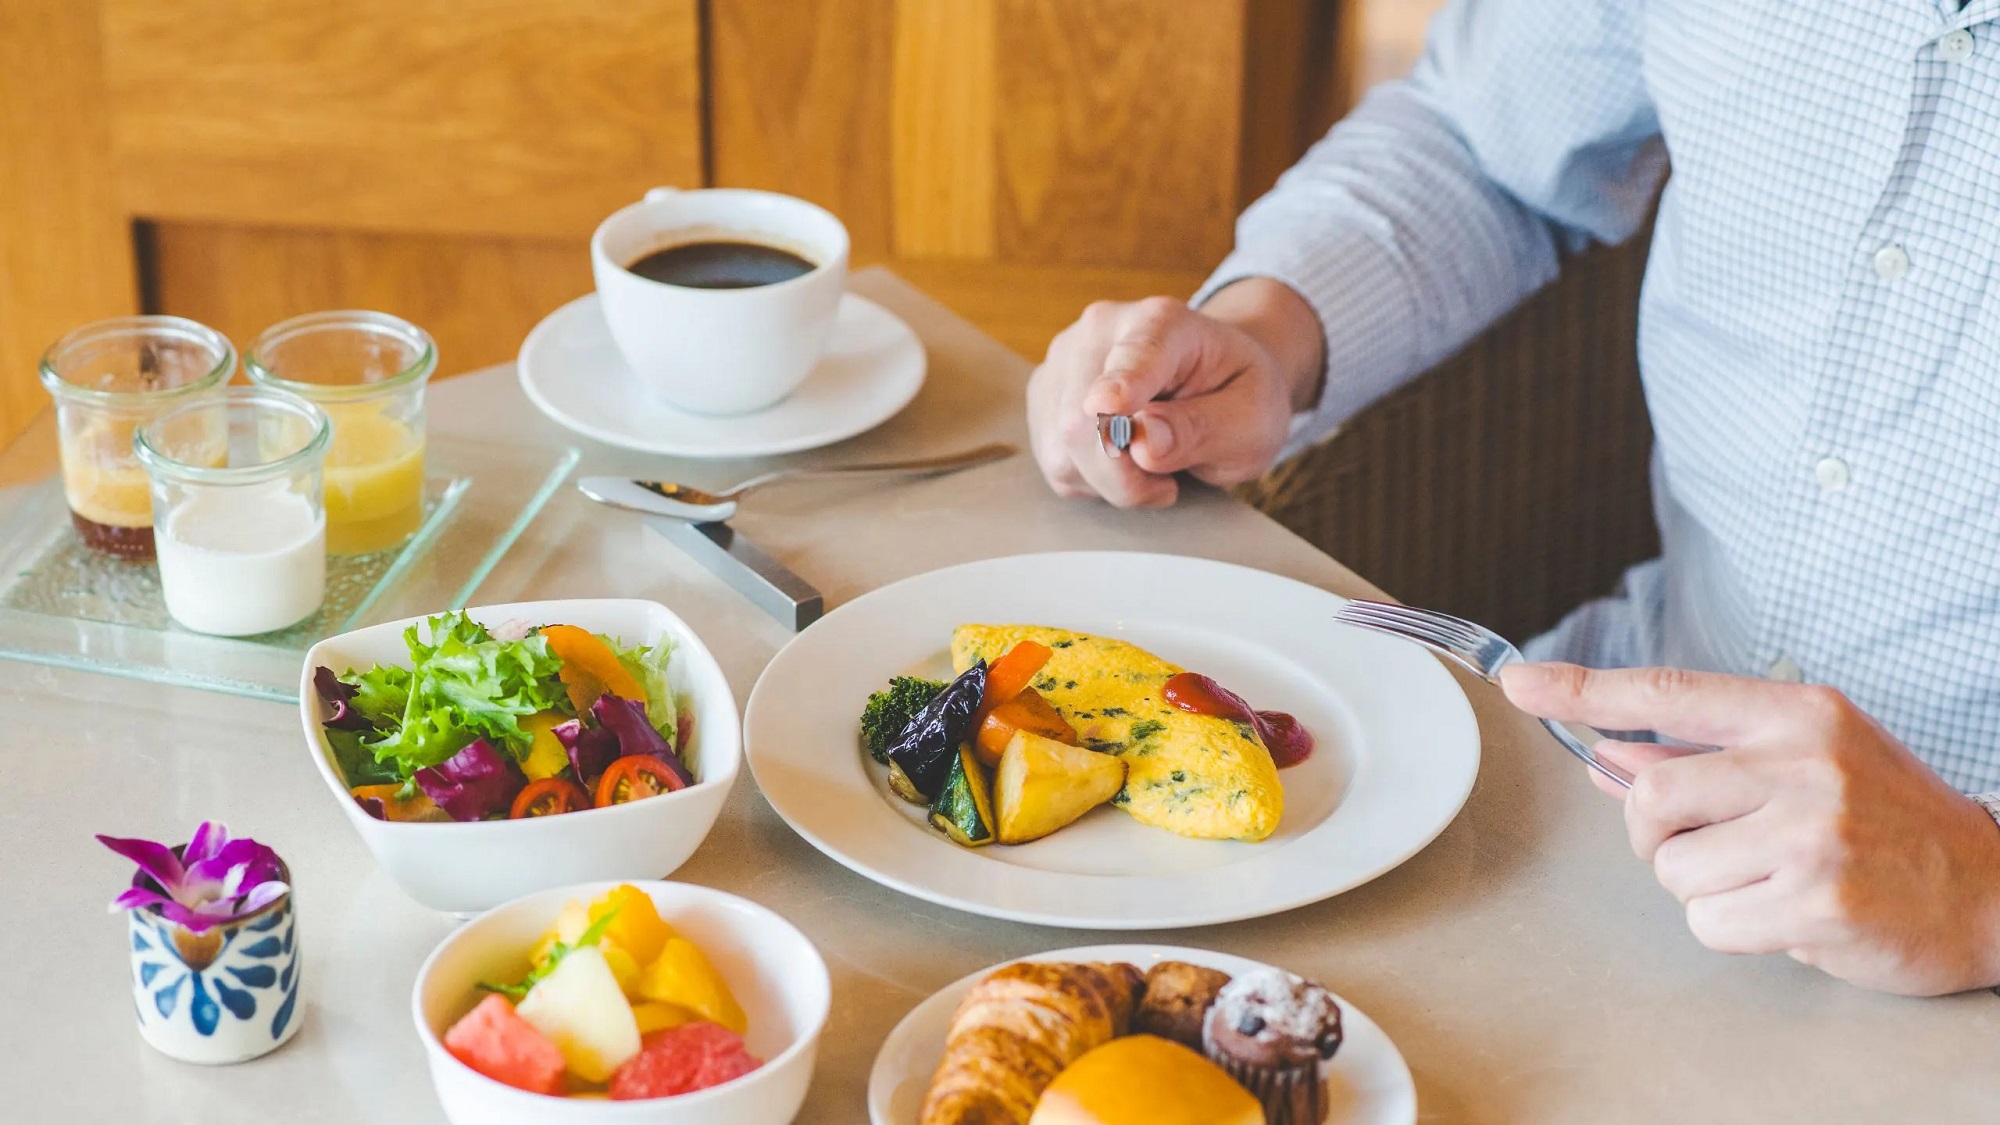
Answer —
581 1009
682 975
1043 785
569 925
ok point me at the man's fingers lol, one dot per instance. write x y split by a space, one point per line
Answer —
1153 347
1689 792
1758 918
1701 707
1633 756
1226 436
1721 857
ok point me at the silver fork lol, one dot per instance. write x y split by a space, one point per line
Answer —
1475 648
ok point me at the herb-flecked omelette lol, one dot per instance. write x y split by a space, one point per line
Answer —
1194 775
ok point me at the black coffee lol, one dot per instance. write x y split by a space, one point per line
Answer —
721 265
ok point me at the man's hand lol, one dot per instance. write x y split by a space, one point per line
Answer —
1810 832
1212 391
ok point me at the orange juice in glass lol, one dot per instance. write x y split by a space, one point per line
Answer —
367 370
107 379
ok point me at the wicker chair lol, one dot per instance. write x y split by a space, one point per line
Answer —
1507 485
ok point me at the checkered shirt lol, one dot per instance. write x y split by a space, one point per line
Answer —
1820 324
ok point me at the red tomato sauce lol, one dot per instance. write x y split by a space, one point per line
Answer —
1288 741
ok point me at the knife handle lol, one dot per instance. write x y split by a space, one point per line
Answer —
747 569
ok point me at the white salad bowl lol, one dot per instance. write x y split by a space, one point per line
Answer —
464 868
771 968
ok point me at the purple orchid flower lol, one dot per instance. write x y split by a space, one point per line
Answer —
211 880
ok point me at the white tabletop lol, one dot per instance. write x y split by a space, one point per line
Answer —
1526 964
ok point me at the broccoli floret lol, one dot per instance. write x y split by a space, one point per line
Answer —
890 710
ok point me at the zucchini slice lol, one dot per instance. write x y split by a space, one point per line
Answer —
901 785
964 809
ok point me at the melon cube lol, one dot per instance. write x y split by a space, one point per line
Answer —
583 1011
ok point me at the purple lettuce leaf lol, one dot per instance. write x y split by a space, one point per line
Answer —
341 697
474 783
591 750
636 734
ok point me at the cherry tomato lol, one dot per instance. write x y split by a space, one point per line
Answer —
634 778
549 796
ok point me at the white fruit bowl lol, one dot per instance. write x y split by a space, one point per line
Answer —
467 867
773 970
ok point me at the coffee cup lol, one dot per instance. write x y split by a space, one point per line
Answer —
738 296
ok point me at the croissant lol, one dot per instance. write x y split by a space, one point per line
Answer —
1017 1029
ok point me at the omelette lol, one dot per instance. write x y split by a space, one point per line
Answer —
1194 775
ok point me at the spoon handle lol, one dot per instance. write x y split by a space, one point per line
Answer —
947 463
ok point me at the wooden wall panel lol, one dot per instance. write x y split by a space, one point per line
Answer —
942 128
1118 130
65 249
513 117
798 96
477 297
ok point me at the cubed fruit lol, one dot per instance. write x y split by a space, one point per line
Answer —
569 925
546 755
494 1040
1043 784
682 975
584 1013
1027 711
654 1016
681 1060
637 927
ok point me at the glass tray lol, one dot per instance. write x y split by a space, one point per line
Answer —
63 604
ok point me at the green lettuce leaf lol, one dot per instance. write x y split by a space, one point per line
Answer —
461 685
648 665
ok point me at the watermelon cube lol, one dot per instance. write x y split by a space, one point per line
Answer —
495 1041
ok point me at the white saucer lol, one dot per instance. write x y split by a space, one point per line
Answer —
573 372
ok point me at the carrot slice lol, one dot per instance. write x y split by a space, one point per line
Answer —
1011 675
589 667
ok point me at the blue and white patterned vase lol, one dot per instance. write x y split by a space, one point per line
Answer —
225 995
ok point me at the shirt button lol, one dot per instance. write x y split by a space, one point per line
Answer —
1956 46
1832 474
1785 670
1891 263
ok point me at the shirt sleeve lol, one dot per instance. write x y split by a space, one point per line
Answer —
1445 199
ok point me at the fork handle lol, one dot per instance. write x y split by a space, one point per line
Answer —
1578 747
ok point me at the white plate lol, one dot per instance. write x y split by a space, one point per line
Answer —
1368 1082
1398 746
574 373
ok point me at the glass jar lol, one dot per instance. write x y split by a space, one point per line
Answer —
367 370
107 379
238 518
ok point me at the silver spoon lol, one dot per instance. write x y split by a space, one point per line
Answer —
686 502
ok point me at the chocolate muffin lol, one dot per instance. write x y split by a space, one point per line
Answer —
1178 996
1271 1031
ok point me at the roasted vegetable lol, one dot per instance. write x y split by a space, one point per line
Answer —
1043 785
1027 711
1010 675
890 710
901 786
964 811
929 745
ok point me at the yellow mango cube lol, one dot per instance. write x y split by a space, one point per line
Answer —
682 975
655 1016
637 927
568 926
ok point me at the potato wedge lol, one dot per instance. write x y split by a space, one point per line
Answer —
1043 785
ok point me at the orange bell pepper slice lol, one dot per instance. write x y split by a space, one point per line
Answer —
589 667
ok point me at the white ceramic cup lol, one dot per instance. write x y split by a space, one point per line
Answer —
720 351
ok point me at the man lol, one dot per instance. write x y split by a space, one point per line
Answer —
1820 341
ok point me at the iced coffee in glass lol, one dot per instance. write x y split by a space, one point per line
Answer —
108 378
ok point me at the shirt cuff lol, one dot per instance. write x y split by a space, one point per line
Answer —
1990 802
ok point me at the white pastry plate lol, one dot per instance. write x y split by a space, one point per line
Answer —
1368 1083
1398 745
573 372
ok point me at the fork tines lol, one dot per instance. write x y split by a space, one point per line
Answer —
1431 627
